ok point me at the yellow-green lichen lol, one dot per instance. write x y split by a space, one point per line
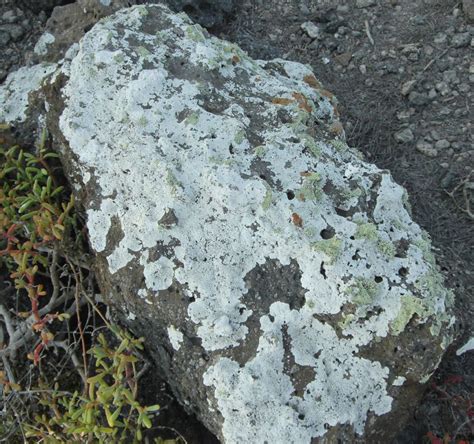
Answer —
194 32
363 291
260 151
119 58
143 52
192 119
409 306
311 145
267 201
172 182
369 231
142 121
330 247
239 136
339 145
311 189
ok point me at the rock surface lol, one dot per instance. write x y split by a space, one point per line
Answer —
274 273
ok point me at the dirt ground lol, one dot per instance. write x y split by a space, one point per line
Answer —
403 73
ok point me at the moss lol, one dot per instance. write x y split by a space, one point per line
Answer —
363 291
330 247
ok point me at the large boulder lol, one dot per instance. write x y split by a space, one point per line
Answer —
279 280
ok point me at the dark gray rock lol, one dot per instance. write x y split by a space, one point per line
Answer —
461 40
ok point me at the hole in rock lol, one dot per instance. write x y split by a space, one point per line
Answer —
403 271
322 270
290 194
328 233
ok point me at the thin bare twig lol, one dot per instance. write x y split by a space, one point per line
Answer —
369 35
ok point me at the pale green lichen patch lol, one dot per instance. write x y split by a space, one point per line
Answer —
370 232
267 201
260 151
239 136
409 306
192 119
312 187
194 32
143 52
330 247
363 291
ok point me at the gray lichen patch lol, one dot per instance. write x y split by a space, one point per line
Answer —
210 159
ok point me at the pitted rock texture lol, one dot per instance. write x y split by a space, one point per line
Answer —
278 278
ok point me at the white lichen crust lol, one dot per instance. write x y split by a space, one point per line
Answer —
223 161
16 89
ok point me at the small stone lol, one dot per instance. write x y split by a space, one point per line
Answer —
442 88
311 29
9 16
403 115
435 135
468 8
450 76
413 57
4 38
426 149
364 3
444 165
432 94
461 40
456 12
343 59
440 38
442 144
404 136
15 31
363 69
429 50
417 98
407 87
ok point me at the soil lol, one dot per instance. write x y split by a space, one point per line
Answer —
402 71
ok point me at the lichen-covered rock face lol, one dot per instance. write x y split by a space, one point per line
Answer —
278 278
